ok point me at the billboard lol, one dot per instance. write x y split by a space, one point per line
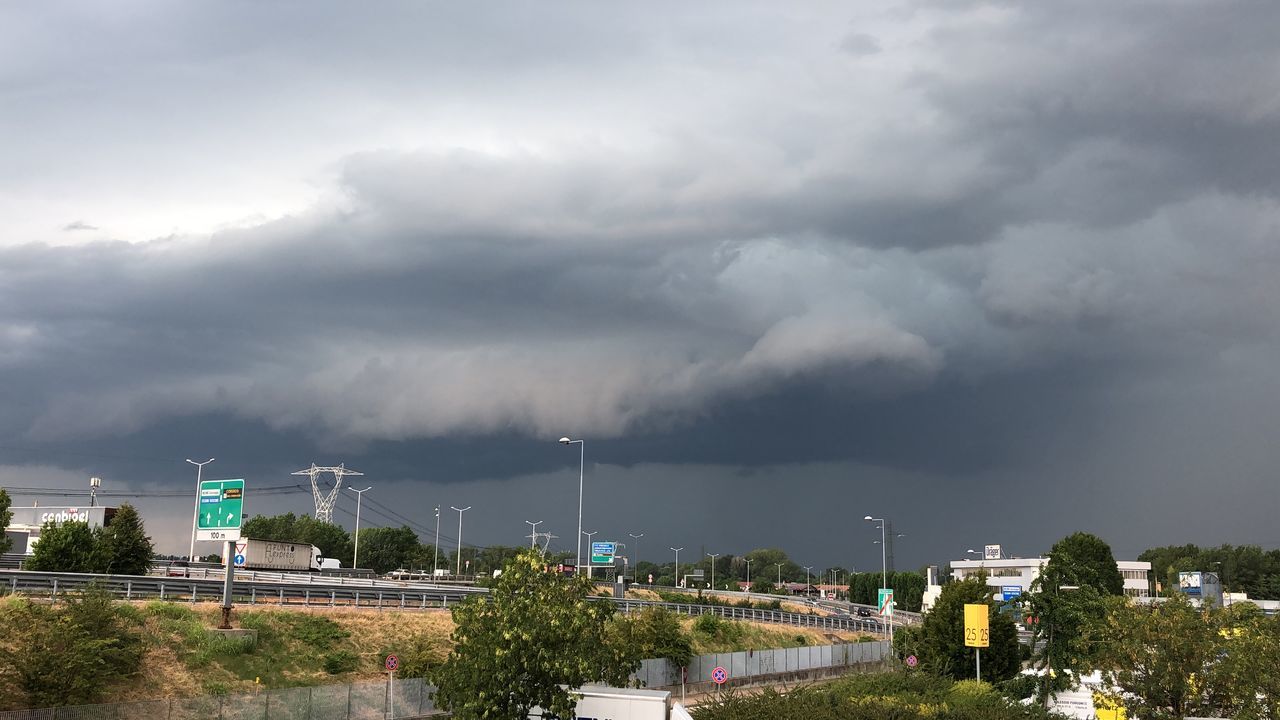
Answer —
33 517
1190 582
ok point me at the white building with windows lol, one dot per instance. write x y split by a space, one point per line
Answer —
1007 572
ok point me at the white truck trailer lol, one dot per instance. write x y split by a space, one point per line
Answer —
256 554
599 702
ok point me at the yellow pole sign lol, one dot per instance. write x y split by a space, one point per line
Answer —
977 628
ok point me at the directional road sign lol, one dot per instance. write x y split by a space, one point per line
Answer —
602 553
221 506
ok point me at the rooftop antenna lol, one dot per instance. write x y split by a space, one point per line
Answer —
324 503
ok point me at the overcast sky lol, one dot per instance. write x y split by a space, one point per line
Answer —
996 271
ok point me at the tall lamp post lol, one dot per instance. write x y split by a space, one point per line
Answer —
779 575
435 554
191 556
589 536
807 568
713 557
749 561
884 567
582 463
677 564
458 571
637 553
355 555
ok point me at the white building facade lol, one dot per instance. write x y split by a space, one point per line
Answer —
1008 572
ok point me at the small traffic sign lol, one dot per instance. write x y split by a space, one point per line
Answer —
885 602
719 675
239 560
912 661
393 662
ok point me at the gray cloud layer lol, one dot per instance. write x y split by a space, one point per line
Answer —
982 240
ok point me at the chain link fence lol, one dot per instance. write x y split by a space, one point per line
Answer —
749 664
411 698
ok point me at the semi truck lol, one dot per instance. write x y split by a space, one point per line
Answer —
257 554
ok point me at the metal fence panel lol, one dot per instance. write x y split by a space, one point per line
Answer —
737 666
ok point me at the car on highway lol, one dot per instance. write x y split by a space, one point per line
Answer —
865 612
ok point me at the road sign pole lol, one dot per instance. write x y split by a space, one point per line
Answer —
227 581
978 658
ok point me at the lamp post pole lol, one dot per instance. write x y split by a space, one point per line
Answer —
713 557
884 567
191 556
779 575
582 462
749 561
637 554
458 571
435 553
355 555
807 568
589 536
677 564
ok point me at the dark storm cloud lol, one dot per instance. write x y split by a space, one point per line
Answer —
943 245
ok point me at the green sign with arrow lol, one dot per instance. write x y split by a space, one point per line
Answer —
221 508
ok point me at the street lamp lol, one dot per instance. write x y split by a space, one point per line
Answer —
355 555
637 553
779 575
713 568
533 532
807 568
589 536
94 484
195 513
749 561
677 565
458 571
435 554
582 460
884 566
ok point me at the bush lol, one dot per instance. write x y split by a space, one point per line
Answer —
340 661
69 654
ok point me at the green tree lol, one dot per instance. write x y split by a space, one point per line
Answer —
66 547
1249 670
1085 559
653 633
1062 613
5 518
938 643
1163 659
537 634
124 548
387 549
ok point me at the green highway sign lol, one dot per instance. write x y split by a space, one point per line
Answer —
221 507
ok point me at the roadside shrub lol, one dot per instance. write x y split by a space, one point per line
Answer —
340 661
68 654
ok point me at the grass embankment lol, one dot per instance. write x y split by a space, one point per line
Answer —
898 695
183 658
